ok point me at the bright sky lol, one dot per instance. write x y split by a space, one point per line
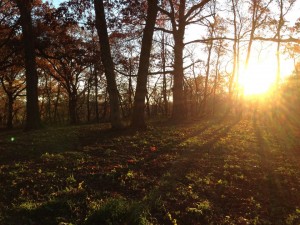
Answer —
262 69
261 72
56 2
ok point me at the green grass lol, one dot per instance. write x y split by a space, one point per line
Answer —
212 171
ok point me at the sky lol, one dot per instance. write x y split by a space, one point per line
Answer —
291 17
56 2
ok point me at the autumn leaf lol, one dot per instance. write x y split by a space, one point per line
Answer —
153 149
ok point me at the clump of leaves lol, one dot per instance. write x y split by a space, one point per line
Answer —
293 218
119 211
202 210
52 157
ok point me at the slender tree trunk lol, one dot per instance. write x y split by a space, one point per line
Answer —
130 91
73 108
10 111
216 79
104 106
231 81
138 118
231 86
253 27
48 93
206 78
55 114
33 120
280 25
148 110
88 109
163 59
278 65
196 98
278 70
96 96
115 111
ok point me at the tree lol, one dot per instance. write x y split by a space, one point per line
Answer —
138 120
67 55
33 120
115 117
212 26
259 15
283 10
180 16
13 84
235 47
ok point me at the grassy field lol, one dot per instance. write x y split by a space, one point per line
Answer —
210 171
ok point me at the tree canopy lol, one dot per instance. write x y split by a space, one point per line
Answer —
120 61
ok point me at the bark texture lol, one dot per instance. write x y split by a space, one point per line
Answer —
33 120
138 119
115 110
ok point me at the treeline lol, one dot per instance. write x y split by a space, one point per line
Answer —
97 61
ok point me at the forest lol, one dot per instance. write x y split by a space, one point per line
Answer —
149 112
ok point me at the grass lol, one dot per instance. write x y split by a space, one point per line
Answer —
212 171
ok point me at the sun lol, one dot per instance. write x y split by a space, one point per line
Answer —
257 79
260 77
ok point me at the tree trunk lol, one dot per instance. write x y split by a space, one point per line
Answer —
280 25
96 96
115 111
253 27
138 118
55 113
104 107
88 109
10 111
235 59
206 78
33 120
231 80
148 106
163 59
178 95
73 108
178 98
48 93
179 20
130 92
216 79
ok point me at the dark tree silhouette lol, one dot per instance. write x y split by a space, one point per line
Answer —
32 108
115 113
138 120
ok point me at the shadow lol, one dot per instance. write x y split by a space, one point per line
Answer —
188 158
174 182
215 134
211 138
46 214
183 163
59 210
271 187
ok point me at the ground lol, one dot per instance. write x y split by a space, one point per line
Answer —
209 171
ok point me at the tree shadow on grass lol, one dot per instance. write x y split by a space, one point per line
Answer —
60 210
50 213
175 184
272 187
18 146
178 168
187 160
